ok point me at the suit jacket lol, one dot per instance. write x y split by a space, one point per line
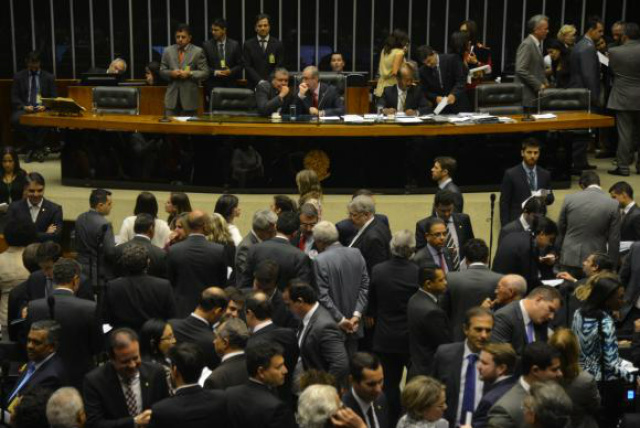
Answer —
36 287
630 274
491 396
630 225
414 100
50 375
105 403
514 255
191 407
255 405
347 231
230 372
268 101
157 257
515 190
509 327
466 289
449 78
447 368
329 101
81 337
50 213
512 227
380 408
589 222
293 263
530 70
423 258
194 265
90 227
242 251
257 63
392 284
585 68
458 201
624 63
193 330
20 88
507 412
462 223
132 300
374 243
322 346
233 62
584 394
185 90
428 329
280 313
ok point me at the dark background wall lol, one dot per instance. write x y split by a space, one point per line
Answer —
80 34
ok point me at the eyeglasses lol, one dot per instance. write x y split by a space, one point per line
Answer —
438 235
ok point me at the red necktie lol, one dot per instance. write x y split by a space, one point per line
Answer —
443 262
315 99
302 243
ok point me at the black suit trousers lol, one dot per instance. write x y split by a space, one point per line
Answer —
393 365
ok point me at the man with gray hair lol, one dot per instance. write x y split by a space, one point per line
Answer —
275 96
510 288
373 236
65 409
230 340
530 69
263 227
547 405
343 282
317 98
117 66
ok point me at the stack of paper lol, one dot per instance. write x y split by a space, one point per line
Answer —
408 119
353 118
329 118
544 116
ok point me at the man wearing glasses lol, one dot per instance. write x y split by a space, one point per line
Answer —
435 253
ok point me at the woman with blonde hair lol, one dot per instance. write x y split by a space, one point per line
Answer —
309 186
216 230
567 35
391 58
425 400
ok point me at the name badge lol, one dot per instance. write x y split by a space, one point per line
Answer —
223 63
187 68
38 99
272 59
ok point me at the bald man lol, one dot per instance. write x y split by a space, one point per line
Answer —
316 98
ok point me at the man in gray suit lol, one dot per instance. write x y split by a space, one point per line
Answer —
530 69
540 362
589 223
624 62
585 66
184 65
343 282
263 228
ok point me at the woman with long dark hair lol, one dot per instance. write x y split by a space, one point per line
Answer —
13 177
177 204
228 207
146 203
560 71
391 58
156 338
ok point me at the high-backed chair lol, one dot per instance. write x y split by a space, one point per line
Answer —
499 99
116 100
564 99
233 102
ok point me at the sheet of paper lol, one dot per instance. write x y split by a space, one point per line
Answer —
353 118
604 60
106 328
486 68
628 365
455 119
182 118
408 119
203 377
544 116
625 245
504 119
443 103
329 118
552 282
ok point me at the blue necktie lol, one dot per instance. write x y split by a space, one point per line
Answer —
469 396
31 368
530 334
532 181
33 94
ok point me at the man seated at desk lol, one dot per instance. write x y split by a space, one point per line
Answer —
316 98
117 66
406 96
275 96
443 76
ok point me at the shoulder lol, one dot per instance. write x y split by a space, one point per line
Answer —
508 312
50 204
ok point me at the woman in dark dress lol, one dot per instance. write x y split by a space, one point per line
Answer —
13 177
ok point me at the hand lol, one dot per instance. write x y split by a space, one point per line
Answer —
186 74
488 303
388 111
345 417
28 109
549 259
175 74
284 91
40 108
472 58
313 111
410 112
143 418
52 228
544 86
24 312
369 322
566 276
346 326
226 72
438 99
636 326
303 88
355 322
451 99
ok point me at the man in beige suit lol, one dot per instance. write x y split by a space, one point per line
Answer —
184 66
530 60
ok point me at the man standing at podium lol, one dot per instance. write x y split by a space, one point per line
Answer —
184 66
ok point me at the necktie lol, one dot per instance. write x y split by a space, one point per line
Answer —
181 57
453 249
48 287
443 261
532 181
263 44
33 93
221 51
403 100
303 240
530 334
469 395
31 367
371 417
439 75
130 397
315 99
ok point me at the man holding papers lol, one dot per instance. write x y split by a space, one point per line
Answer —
443 79
405 97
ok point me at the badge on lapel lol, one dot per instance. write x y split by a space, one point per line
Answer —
272 59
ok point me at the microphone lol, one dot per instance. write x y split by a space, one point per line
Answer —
492 198
527 109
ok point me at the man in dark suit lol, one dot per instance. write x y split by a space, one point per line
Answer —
144 229
191 406
292 262
265 279
585 66
195 264
496 365
81 337
405 97
365 396
197 328
347 230
120 393
224 56
316 98
29 87
533 207
46 215
428 323
254 404
262 54
455 366
373 236
630 212
443 76
443 171
303 239
94 236
527 320
520 182
263 227
275 96
470 287
133 299
320 339
230 340
435 254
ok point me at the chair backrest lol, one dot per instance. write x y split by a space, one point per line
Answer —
233 102
502 98
116 100
564 99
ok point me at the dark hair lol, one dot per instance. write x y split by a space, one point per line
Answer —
143 223
398 39
115 342
530 142
64 270
146 203
476 312
20 233
603 261
472 30
32 57
427 274
183 27
150 338
98 196
260 17
188 360
432 221
181 201
444 197
16 160
225 206
31 410
29 257
534 206
631 30
448 163
284 203
542 224
588 178
266 273
154 69
424 52
259 354
592 22
35 177
558 45
261 308
219 22
361 361
336 53
476 251
303 291
601 291
288 223
539 354
459 43
210 301
48 251
622 187
547 293
234 294
52 328
135 258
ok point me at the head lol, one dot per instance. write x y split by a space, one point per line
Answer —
177 203
566 343
477 327
631 32
406 76
538 25
424 399
196 222
398 39
436 232
311 76
567 35
545 231
117 66
187 362
100 201
219 29
231 336
300 297
212 305
427 56
265 363
617 30
589 178
288 224
66 273
542 303
235 305
42 340
65 409
124 352
597 263
594 28
316 405
156 339
152 73
262 25
146 203
510 288
601 46
361 210
19 233
444 204
308 182
476 251
532 208
433 280
265 277
279 78
607 295
325 234
496 360
366 375
258 308
403 244
144 225
317 377
547 406
47 254
10 161
181 226
183 35
34 187
135 259
282 203
308 217
540 362
30 410
32 61
264 224
337 62
228 206
459 43
622 192
555 49
471 28
29 256
530 152
444 167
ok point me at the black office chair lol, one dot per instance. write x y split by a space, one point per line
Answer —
499 99
116 100
232 102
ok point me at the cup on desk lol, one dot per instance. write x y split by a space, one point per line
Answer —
292 112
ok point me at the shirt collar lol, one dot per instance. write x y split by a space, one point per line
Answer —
524 223
524 384
38 365
189 385
477 264
467 350
445 182
133 379
230 355
594 186
140 235
525 316
535 39
264 38
262 325
400 91
501 378
628 207
222 42
363 404
527 169
198 317
39 204
309 314
431 295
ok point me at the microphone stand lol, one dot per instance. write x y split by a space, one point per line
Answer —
99 286
492 197
164 118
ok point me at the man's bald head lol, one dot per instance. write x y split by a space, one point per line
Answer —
510 288
212 304
196 221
